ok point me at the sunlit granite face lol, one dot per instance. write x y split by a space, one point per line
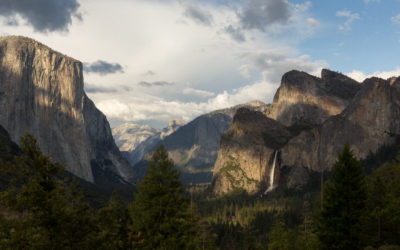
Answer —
41 92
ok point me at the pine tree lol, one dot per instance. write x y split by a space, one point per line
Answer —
160 215
42 212
344 203
112 222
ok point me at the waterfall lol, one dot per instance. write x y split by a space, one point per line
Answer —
272 174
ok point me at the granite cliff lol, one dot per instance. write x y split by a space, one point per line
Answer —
370 121
136 140
41 92
247 152
304 99
253 148
194 146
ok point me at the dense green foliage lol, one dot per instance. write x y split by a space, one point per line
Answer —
160 212
343 204
40 209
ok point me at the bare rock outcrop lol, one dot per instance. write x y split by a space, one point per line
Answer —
308 100
370 121
41 92
247 152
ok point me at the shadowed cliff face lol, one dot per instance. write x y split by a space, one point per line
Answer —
41 92
306 99
245 157
370 120
335 109
302 102
194 146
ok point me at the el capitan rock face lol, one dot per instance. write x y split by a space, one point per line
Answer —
41 92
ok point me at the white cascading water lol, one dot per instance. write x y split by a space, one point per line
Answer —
272 174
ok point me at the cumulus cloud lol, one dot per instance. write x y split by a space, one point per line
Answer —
351 17
197 92
312 22
235 33
396 19
90 88
274 64
96 89
371 1
261 14
102 68
361 76
149 73
42 15
198 14
157 83
270 17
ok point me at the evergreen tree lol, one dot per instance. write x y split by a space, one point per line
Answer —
381 224
344 202
112 222
41 211
160 215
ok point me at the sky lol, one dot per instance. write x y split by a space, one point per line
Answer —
150 61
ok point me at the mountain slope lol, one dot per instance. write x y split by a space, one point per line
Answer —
252 150
41 92
136 140
370 121
194 146
308 100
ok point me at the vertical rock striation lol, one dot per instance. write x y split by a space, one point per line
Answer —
304 99
301 103
246 155
41 92
370 121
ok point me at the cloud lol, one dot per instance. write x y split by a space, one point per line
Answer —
89 88
260 14
351 17
270 17
396 19
361 76
312 22
149 73
102 68
197 92
371 1
275 63
99 89
235 33
147 108
157 83
197 14
43 15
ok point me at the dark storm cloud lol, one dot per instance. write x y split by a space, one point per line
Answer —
198 15
158 83
259 14
102 68
43 15
235 33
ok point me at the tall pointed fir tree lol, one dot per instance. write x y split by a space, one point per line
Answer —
160 214
44 211
344 203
